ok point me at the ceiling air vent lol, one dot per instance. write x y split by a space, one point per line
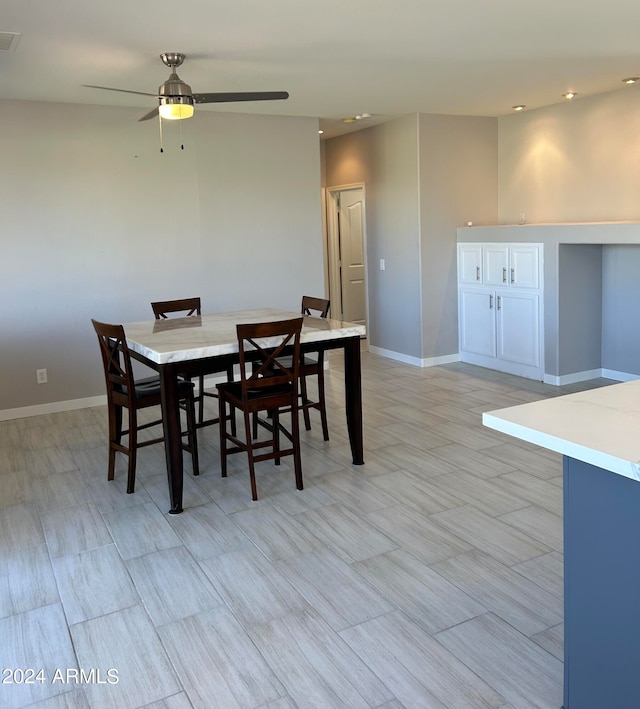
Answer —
9 40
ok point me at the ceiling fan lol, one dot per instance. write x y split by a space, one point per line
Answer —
176 100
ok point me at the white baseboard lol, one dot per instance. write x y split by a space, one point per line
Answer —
52 408
415 361
575 377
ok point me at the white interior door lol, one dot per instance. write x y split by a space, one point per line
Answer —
351 254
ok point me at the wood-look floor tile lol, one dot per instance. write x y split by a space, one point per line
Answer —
18 488
171 585
552 641
26 580
127 642
73 699
416 533
429 599
49 460
421 437
539 524
177 701
252 586
474 437
516 599
416 491
20 527
408 457
158 489
217 662
546 570
74 529
327 672
543 493
93 583
206 531
60 490
493 536
416 668
472 461
480 493
38 639
526 675
528 461
334 588
140 530
277 535
352 489
350 536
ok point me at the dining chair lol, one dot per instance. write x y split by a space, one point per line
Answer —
270 387
124 392
188 307
311 365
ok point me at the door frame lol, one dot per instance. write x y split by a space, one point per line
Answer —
331 247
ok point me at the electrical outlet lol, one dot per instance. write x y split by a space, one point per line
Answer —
41 376
382 264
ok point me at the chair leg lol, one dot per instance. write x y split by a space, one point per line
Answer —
114 438
133 451
201 398
305 401
230 377
275 422
191 433
297 458
222 415
321 403
252 472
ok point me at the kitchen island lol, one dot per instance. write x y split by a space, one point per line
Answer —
598 433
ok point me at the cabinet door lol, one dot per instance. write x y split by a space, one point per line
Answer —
496 265
470 263
477 321
518 327
524 266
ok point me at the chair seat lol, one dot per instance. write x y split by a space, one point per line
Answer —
234 390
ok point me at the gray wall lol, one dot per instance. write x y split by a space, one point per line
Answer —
385 158
424 175
96 223
621 309
458 184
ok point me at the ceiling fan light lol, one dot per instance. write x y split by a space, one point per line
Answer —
175 108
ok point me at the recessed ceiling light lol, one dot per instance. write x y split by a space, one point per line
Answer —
519 107
569 95
363 115
631 80
321 132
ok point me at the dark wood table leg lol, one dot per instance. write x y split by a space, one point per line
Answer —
353 397
172 434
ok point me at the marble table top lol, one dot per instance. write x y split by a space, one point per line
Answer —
599 426
198 336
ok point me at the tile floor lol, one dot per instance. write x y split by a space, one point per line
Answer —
429 577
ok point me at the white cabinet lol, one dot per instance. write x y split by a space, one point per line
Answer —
500 315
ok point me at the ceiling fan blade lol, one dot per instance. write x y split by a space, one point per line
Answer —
240 96
148 116
124 91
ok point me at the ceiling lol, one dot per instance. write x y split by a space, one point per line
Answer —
337 59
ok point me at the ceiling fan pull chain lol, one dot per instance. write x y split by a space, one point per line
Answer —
160 121
181 138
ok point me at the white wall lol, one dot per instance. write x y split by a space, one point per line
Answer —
577 161
97 223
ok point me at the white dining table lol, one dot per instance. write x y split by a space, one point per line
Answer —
204 344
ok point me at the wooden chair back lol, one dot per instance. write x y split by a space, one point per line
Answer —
188 306
116 361
266 343
315 306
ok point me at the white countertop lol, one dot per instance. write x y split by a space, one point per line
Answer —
598 426
198 336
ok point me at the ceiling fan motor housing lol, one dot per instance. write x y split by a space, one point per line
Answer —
175 91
